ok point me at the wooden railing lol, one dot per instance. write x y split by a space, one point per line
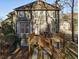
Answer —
72 50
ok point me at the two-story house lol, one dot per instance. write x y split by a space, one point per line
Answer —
37 16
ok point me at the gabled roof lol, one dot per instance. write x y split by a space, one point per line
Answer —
38 5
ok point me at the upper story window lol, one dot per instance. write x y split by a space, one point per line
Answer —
21 13
27 14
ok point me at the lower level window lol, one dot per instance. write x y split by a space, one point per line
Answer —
24 27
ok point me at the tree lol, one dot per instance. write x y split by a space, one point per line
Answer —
9 35
13 40
7 27
71 4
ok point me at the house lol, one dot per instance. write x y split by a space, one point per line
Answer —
65 27
66 23
37 16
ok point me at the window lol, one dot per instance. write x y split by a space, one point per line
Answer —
39 21
27 14
21 13
39 17
24 27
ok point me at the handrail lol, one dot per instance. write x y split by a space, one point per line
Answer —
16 51
71 50
71 54
74 44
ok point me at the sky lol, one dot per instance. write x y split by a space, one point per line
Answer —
7 6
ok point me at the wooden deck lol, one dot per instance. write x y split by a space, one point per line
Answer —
22 53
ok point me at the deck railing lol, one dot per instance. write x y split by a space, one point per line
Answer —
72 50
